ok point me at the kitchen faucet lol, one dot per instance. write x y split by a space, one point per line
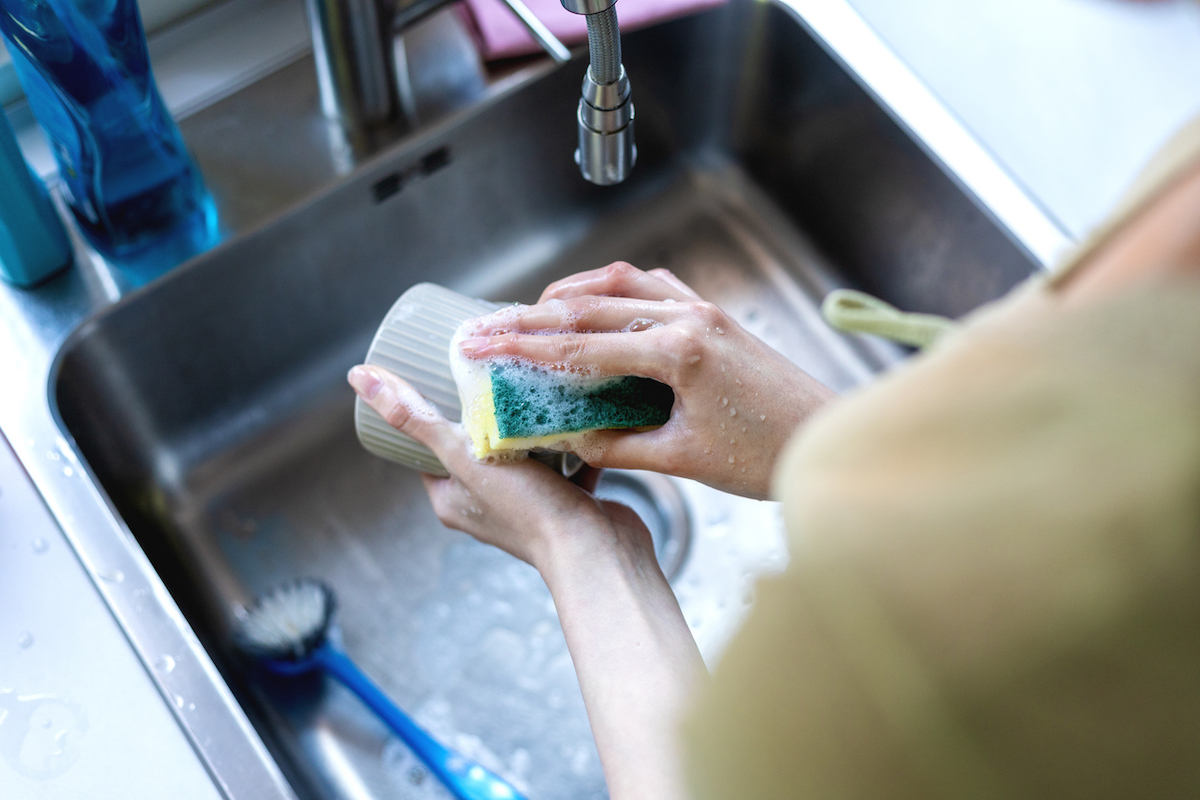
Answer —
606 149
354 45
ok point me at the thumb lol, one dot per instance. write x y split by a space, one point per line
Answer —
403 407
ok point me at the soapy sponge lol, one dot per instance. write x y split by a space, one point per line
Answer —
511 405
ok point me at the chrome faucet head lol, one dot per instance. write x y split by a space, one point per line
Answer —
606 152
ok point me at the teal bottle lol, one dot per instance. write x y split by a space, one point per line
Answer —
33 244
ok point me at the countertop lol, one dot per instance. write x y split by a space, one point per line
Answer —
79 716
1072 96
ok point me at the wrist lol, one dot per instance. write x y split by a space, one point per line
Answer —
590 550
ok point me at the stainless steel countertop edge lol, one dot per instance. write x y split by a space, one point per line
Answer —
202 703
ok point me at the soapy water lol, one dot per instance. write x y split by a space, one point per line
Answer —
508 320
39 734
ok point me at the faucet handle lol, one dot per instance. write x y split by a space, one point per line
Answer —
540 33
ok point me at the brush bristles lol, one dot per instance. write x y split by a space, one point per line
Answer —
287 622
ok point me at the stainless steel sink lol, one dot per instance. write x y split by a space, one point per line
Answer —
212 411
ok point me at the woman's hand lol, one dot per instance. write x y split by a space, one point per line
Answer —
634 655
522 507
737 401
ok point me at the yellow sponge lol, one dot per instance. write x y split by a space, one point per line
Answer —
510 405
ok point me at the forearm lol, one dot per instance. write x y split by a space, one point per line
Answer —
635 658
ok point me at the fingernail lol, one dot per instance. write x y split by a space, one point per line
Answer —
471 346
365 381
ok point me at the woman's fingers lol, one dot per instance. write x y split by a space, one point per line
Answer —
610 353
670 277
587 313
620 279
403 407
626 449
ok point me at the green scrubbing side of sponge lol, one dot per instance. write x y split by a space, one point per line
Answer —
532 401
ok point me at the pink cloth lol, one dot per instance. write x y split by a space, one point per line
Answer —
503 35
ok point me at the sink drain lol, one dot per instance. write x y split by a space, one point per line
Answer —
658 501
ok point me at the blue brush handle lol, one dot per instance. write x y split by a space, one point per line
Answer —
465 779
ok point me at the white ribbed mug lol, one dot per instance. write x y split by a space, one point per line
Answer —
413 341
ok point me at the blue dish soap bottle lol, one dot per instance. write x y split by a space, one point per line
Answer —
33 244
126 175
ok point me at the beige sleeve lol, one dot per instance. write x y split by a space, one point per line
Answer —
995 578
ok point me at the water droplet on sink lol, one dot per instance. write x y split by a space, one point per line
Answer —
178 700
68 471
112 575
579 761
165 663
25 640
416 776
520 761
47 723
39 545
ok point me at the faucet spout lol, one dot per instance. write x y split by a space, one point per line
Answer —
607 151
355 53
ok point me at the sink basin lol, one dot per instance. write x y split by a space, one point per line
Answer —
212 407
